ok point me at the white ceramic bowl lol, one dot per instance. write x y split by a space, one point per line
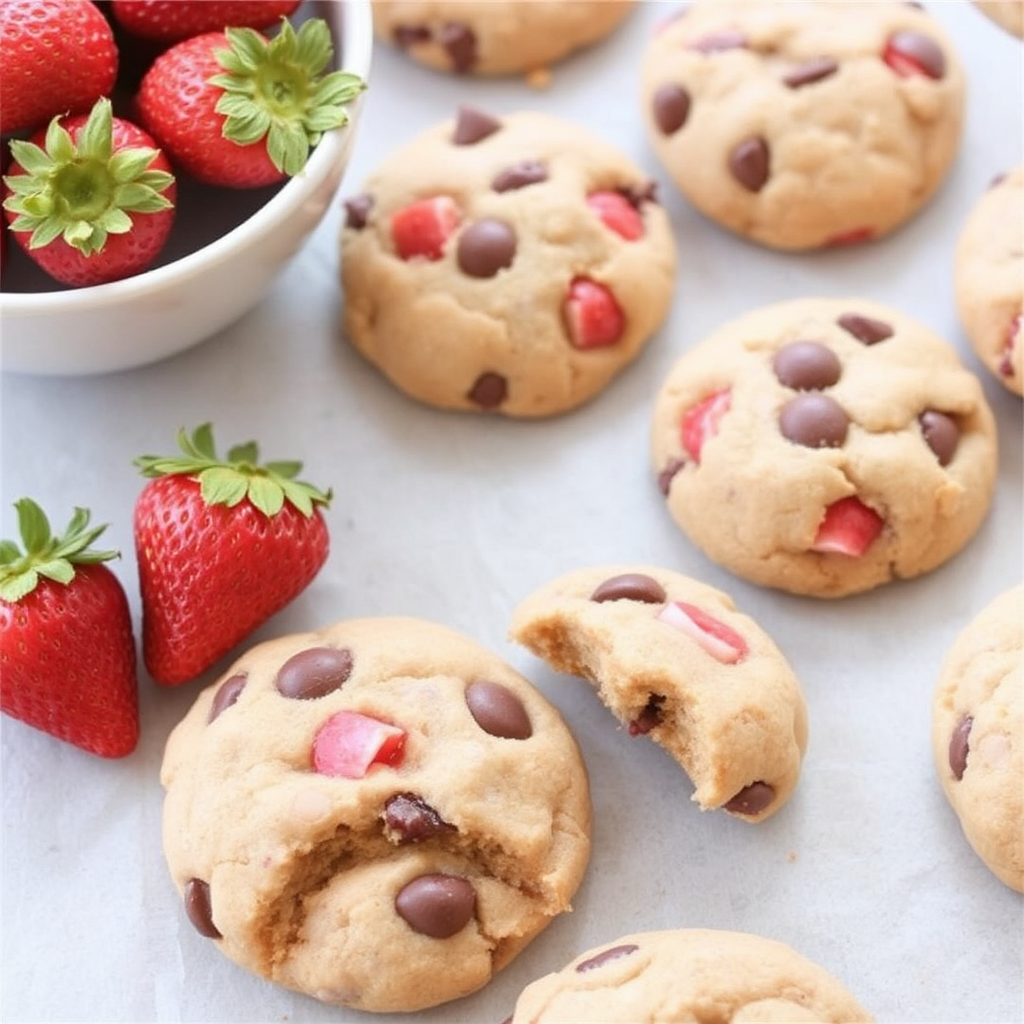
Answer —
176 305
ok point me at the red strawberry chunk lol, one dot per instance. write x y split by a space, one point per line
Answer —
849 527
911 53
700 422
592 316
1013 338
617 213
854 237
348 744
722 642
422 228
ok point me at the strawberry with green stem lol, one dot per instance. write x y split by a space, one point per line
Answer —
67 653
222 545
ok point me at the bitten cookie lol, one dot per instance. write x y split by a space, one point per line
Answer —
512 265
690 974
977 733
473 38
801 125
672 658
825 446
989 278
380 814
1007 14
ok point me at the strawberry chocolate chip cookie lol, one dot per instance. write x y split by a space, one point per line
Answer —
825 446
380 814
511 265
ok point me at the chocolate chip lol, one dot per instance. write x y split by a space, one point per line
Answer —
197 908
489 390
226 695
921 50
526 172
436 905
486 247
409 818
997 180
810 71
718 42
806 366
357 211
406 36
472 125
648 718
460 43
498 711
941 434
314 673
667 475
752 799
814 420
671 107
637 195
630 586
749 163
959 747
605 956
864 328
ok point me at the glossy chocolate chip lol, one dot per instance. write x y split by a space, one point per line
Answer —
920 49
719 42
667 475
671 107
605 956
648 718
630 586
406 36
472 125
959 747
810 71
749 163
226 695
408 818
941 434
752 799
807 366
814 421
486 247
459 43
865 328
314 673
197 908
357 211
489 390
438 906
526 172
498 711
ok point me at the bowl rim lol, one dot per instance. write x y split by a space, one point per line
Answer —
356 56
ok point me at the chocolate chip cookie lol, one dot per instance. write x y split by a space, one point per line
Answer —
1007 14
989 279
511 265
802 125
689 974
467 37
673 659
825 446
978 734
380 814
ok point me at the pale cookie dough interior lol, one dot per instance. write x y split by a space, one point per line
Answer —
1008 14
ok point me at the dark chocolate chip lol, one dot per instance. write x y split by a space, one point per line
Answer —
921 50
197 908
810 71
489 390
498 711
637 195
997 180
439 906
357 211
459 42
667 475
226 695
671 107
959 747
486 247
864 328
604 957
749 163
526 172
314 673
814 421
648 718
630 586
941 434
472 125
752 799
806 366
406 36
718 42
409 818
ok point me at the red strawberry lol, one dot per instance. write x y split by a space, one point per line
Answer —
348 744
700 422
170 21
221 546
422 228
59 57
618 213
592 317
234 108
90 199
848 528
66 645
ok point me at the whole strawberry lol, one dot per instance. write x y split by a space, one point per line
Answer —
221 546
170 21
66 647
59 57
90 199
233 108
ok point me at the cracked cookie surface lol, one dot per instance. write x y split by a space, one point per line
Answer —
380 814
825 446
511 265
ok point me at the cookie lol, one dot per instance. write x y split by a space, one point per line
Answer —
1007 14
673 659
379 814
978 734
689 974
467 37
804 125
824 447
510 265
989 279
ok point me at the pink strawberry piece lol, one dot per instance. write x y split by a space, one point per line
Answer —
722 642
854 237
700 422
422 228
1013 337
617 213
348 744
593 317
911 53
849 527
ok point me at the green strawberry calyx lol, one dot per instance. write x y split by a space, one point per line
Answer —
239 477
47 556
275 90
83 190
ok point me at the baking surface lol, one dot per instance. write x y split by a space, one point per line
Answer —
456 518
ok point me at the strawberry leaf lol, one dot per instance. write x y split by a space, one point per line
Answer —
221 485
267 495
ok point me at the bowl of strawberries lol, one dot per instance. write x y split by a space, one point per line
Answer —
162 161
